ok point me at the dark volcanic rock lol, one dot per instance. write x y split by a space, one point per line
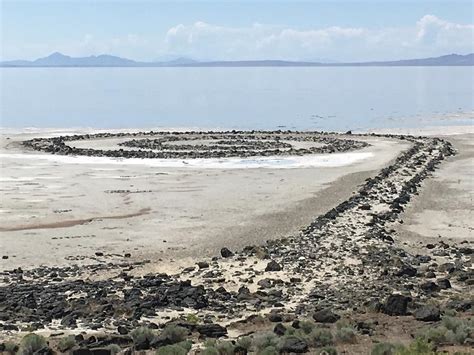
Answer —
293 344
212 330
428 314
239 350
447 267
325 316
273 266
396 305
430 275
10 327
142 344
226 253
203 264
265 283
101 351
466 250
275 317
460 305
406 270
122 330
81 351
444 284
429 287
279 329
44 351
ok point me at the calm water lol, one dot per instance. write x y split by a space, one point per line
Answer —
247 98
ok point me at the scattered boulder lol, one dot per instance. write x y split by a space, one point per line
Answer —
430 275
101 351
81 351
429 287
444 284
226 253
122 330
211 330
279 329
325 316
240 350
265 283
396 305
203 264
447 267
406 270
460 305
466 250
275 317
293 344
428 314
273 266
11 327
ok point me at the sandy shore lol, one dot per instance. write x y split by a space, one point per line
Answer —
54 213
444 209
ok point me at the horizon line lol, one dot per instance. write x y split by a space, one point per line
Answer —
183 61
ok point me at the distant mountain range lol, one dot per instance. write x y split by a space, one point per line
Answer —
104 60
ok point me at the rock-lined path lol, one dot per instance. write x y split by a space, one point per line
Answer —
347 259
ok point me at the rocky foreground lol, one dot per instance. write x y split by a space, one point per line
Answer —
345 267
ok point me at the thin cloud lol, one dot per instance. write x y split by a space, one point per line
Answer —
429 36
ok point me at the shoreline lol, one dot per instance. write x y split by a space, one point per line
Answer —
440 129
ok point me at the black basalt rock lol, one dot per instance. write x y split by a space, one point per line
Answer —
279 329
430 287
211 330
325 316
396 305
428 314
294 345
226 253
444 284
273 266
406 270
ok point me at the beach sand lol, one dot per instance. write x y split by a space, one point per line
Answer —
444 208
58 210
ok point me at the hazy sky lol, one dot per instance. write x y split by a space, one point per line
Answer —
223 30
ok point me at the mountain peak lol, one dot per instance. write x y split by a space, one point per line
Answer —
103 60
56 55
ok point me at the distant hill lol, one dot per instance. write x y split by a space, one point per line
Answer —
104 60
450 59
60 60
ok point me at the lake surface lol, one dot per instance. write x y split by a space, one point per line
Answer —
247 98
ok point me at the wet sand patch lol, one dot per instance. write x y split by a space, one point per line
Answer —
73 222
